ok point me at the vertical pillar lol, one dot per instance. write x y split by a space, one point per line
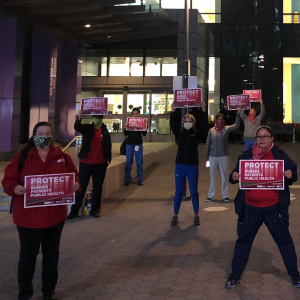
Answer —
68 89
43 63
11 56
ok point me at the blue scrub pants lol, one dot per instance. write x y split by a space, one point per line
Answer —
138 160
278 225
248 143
192 173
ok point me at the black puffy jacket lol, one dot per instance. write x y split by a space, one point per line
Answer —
87 131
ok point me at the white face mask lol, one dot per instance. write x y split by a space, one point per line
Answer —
187 126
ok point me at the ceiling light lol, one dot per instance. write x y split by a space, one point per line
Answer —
109 36
87 25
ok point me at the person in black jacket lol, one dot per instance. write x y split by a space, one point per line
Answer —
94 157
134 147
256 206
187 159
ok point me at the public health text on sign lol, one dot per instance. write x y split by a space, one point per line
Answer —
188 98
261 174
94 106
136 124
49 190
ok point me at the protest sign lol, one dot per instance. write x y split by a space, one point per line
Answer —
262 174
238 101
188 98
94 106
49 190
137 124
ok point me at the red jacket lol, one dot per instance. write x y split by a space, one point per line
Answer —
37 217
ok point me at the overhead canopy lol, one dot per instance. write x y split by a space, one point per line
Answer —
109 20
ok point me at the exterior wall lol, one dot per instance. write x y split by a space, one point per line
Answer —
11 57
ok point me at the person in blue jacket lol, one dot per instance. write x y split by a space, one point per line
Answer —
255 207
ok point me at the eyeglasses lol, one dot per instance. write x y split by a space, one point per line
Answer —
263 137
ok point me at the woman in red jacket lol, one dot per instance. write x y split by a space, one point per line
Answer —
38 226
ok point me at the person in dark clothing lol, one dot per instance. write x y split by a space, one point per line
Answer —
255 207
187 159
94 157
134 147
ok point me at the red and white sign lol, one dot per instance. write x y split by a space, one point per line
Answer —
188 98
255 95
261 174
137 124
238 101
94 106
49 190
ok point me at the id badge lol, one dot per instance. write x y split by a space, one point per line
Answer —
136 148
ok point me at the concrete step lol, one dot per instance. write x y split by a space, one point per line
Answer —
5 200
4 206
4 197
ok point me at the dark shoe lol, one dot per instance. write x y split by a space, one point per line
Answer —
226 199
126 183
296 281
196 220
231 281
140 183
50 297
95 215
208 199
174 221
27 298
72 216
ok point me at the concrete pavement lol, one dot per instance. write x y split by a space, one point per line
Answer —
131 252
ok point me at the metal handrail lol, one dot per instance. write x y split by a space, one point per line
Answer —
73 139
78 139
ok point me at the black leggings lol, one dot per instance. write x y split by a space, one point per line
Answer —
30 240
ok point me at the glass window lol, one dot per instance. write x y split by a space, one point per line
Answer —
161 62
160 125
113 125
115 103
136 67
291 40
94 62
236 6
119 66
267 40
152 66
126 62
291 10
161 103
136 100
235 40
94 66
169 66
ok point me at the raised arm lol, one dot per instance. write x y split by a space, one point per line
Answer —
262 112
236 125
174 123
242 115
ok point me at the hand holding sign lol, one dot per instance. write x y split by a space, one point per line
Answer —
236 176
288 174
75 187
19 190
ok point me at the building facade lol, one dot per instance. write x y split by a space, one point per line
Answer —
233 45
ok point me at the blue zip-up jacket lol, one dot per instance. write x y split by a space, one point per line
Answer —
284 195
